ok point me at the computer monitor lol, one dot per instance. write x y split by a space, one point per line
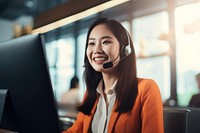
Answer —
24 73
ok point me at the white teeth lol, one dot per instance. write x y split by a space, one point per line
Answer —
100 59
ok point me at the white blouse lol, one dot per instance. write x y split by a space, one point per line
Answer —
103 111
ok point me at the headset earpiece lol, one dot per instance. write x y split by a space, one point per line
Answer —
127 48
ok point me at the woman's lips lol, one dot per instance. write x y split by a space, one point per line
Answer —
100 60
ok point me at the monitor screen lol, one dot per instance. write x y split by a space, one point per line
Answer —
24 73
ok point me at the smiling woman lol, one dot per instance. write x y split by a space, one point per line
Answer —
116 100
103 47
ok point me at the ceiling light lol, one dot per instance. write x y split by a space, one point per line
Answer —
78 16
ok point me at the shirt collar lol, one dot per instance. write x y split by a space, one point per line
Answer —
111 90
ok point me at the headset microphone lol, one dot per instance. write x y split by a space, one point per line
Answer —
110 63
107 65
127 51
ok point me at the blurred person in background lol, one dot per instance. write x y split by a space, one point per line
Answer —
71 97
195 100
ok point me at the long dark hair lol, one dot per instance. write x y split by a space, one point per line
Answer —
127 85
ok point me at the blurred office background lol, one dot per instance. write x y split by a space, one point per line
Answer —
166 36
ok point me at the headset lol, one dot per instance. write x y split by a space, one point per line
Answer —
125 48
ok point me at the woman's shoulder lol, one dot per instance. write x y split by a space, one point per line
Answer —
146 81
148 89
145 84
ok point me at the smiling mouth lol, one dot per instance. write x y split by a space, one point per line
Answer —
100 60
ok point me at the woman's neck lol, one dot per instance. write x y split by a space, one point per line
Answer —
108 81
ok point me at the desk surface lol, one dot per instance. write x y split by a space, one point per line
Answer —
67 111
70 114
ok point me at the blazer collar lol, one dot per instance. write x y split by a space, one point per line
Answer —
113 118
88 118
112 121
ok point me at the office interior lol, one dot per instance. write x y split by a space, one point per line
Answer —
165 33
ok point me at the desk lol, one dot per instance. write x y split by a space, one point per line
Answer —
67 115
67 111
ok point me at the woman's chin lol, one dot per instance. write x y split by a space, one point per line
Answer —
99 69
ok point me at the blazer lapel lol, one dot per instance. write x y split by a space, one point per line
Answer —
88 119
113 119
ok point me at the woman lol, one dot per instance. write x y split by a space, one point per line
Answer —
116 101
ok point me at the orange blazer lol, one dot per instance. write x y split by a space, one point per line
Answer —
145 117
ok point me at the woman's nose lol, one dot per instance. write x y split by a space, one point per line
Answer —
98 48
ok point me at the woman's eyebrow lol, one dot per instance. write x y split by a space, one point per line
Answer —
106 37
103 37
91 39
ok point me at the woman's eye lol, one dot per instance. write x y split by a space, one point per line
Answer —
91 43
106 42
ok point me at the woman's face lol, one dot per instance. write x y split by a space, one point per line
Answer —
103 47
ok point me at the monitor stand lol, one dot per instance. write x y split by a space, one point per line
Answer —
7 114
